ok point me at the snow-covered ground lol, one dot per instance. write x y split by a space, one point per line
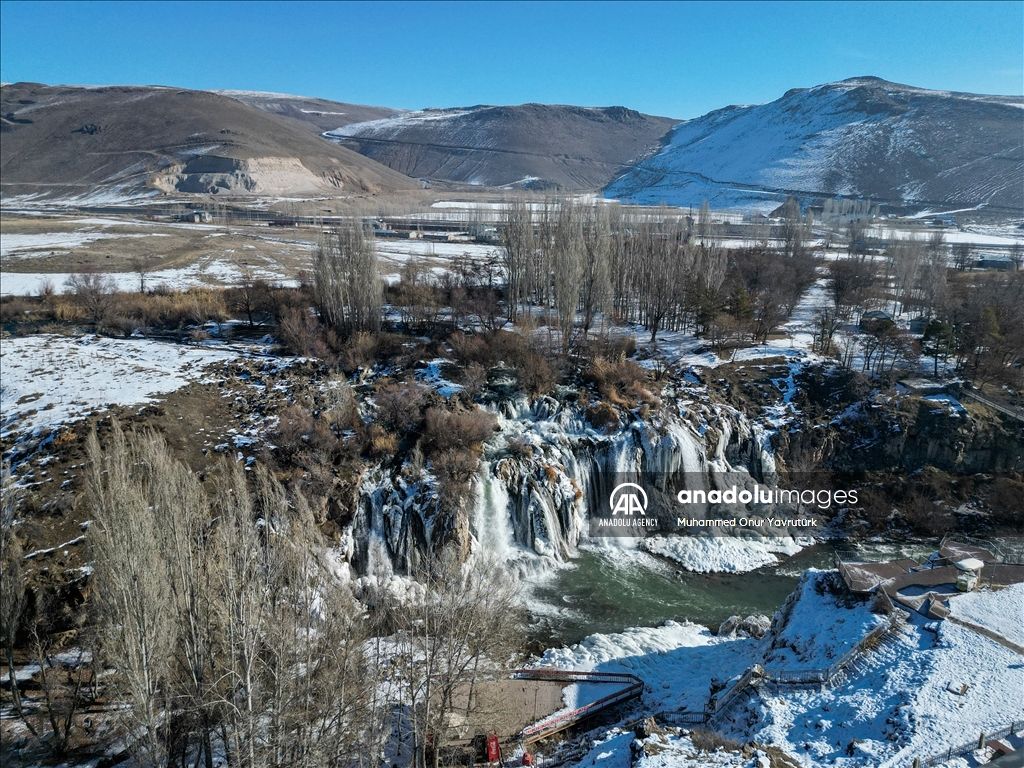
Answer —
724 554
663 750
45 243
1002 611
949 235
902 706
49 380
818 627
209 271
437 257
677 662
899 702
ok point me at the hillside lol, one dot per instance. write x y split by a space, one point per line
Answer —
104 144
533 145
312 114
861 137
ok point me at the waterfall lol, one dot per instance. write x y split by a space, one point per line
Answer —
492 526
542 473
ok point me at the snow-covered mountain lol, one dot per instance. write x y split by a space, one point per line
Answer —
531 145
865 137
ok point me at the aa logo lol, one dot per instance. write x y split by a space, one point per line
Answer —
628 499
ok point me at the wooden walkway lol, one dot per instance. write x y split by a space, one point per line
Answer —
624 687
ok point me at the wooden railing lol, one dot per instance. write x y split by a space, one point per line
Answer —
805 676
1003 409
633 687
1017 726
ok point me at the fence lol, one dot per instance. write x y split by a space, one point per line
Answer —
805 676
633 687
1003 409
965 749
684 718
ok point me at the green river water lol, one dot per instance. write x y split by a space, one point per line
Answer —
604 592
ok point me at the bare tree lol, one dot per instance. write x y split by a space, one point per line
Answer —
12 584
705 227
794 229
1017 255
596 288
347 282
517 239
221 615
905 262
249 296
850 285
962 256
94 291
932 275
460 633
132 588
567 267
142 265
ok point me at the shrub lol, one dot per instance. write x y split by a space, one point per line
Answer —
709 741
536 375
14 309
359 351
400 405
453 470
340 407
301 334
294 429
604 417
381 443
459 430
611 347
93 292
473 378
519 447
622 383
68 312
533 370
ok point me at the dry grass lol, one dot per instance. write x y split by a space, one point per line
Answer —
535 373
458 430
621 382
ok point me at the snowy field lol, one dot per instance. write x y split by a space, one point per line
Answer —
817 629
677 662
204 272
902 705
50 380
1005 238
896 704
218 266
32 245
436 257
1002 611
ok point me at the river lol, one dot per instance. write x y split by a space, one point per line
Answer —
605 591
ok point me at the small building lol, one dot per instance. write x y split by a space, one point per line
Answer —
919 324
875 320
991 261
970 572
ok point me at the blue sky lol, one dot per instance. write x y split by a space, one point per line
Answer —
674 59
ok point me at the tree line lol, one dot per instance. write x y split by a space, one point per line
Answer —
220 628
